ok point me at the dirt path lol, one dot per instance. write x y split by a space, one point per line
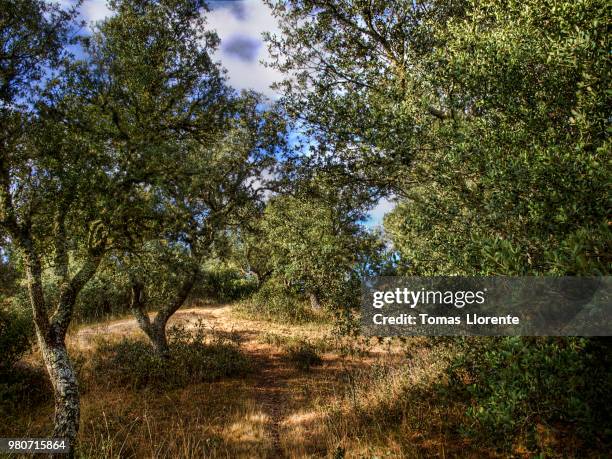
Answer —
270 393
286 401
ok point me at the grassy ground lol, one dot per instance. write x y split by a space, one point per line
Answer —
306 393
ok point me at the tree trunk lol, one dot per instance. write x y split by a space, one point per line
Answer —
51 331
51 340
156 329
51 334
65 390
156 333
314 302
160 342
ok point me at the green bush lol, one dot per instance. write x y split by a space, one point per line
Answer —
195 356
16 332
515 383
103 296
223 284
276 303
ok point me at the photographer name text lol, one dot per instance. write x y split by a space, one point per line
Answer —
414 298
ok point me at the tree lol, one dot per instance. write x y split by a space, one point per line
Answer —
156 96
192 147
486 118
520 184
43 172
489 120
214 190
313 241
357 86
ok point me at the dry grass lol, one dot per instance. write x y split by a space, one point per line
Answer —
367 398
206 420
341 407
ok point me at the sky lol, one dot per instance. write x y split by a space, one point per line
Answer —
239 24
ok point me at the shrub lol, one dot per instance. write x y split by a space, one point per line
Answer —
515 383
104 296
16 332
195 356
224 284
303 355
276 303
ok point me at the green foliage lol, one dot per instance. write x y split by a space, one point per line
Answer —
106 295
314 249
192 145
276 302
195 356
520 185
16 335
515 383
224 284
489 122
305 249
33 35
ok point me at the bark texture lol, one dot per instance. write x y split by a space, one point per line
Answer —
51 328
51 334
156 329
51 331
65 390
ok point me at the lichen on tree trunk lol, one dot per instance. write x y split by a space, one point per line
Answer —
51 331
65 390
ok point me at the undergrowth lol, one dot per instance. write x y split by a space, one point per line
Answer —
196 356
274 303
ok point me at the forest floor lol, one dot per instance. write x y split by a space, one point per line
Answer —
276 410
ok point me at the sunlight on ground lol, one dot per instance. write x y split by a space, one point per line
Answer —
359 401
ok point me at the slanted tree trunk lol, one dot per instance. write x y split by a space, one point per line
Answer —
51 329
51 341
156 329
51 333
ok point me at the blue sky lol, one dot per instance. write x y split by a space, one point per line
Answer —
239 24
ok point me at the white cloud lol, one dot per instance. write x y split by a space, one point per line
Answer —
247 18
254 19
91 10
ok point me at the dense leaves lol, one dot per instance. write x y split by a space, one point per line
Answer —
133 176
489 122
488 119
